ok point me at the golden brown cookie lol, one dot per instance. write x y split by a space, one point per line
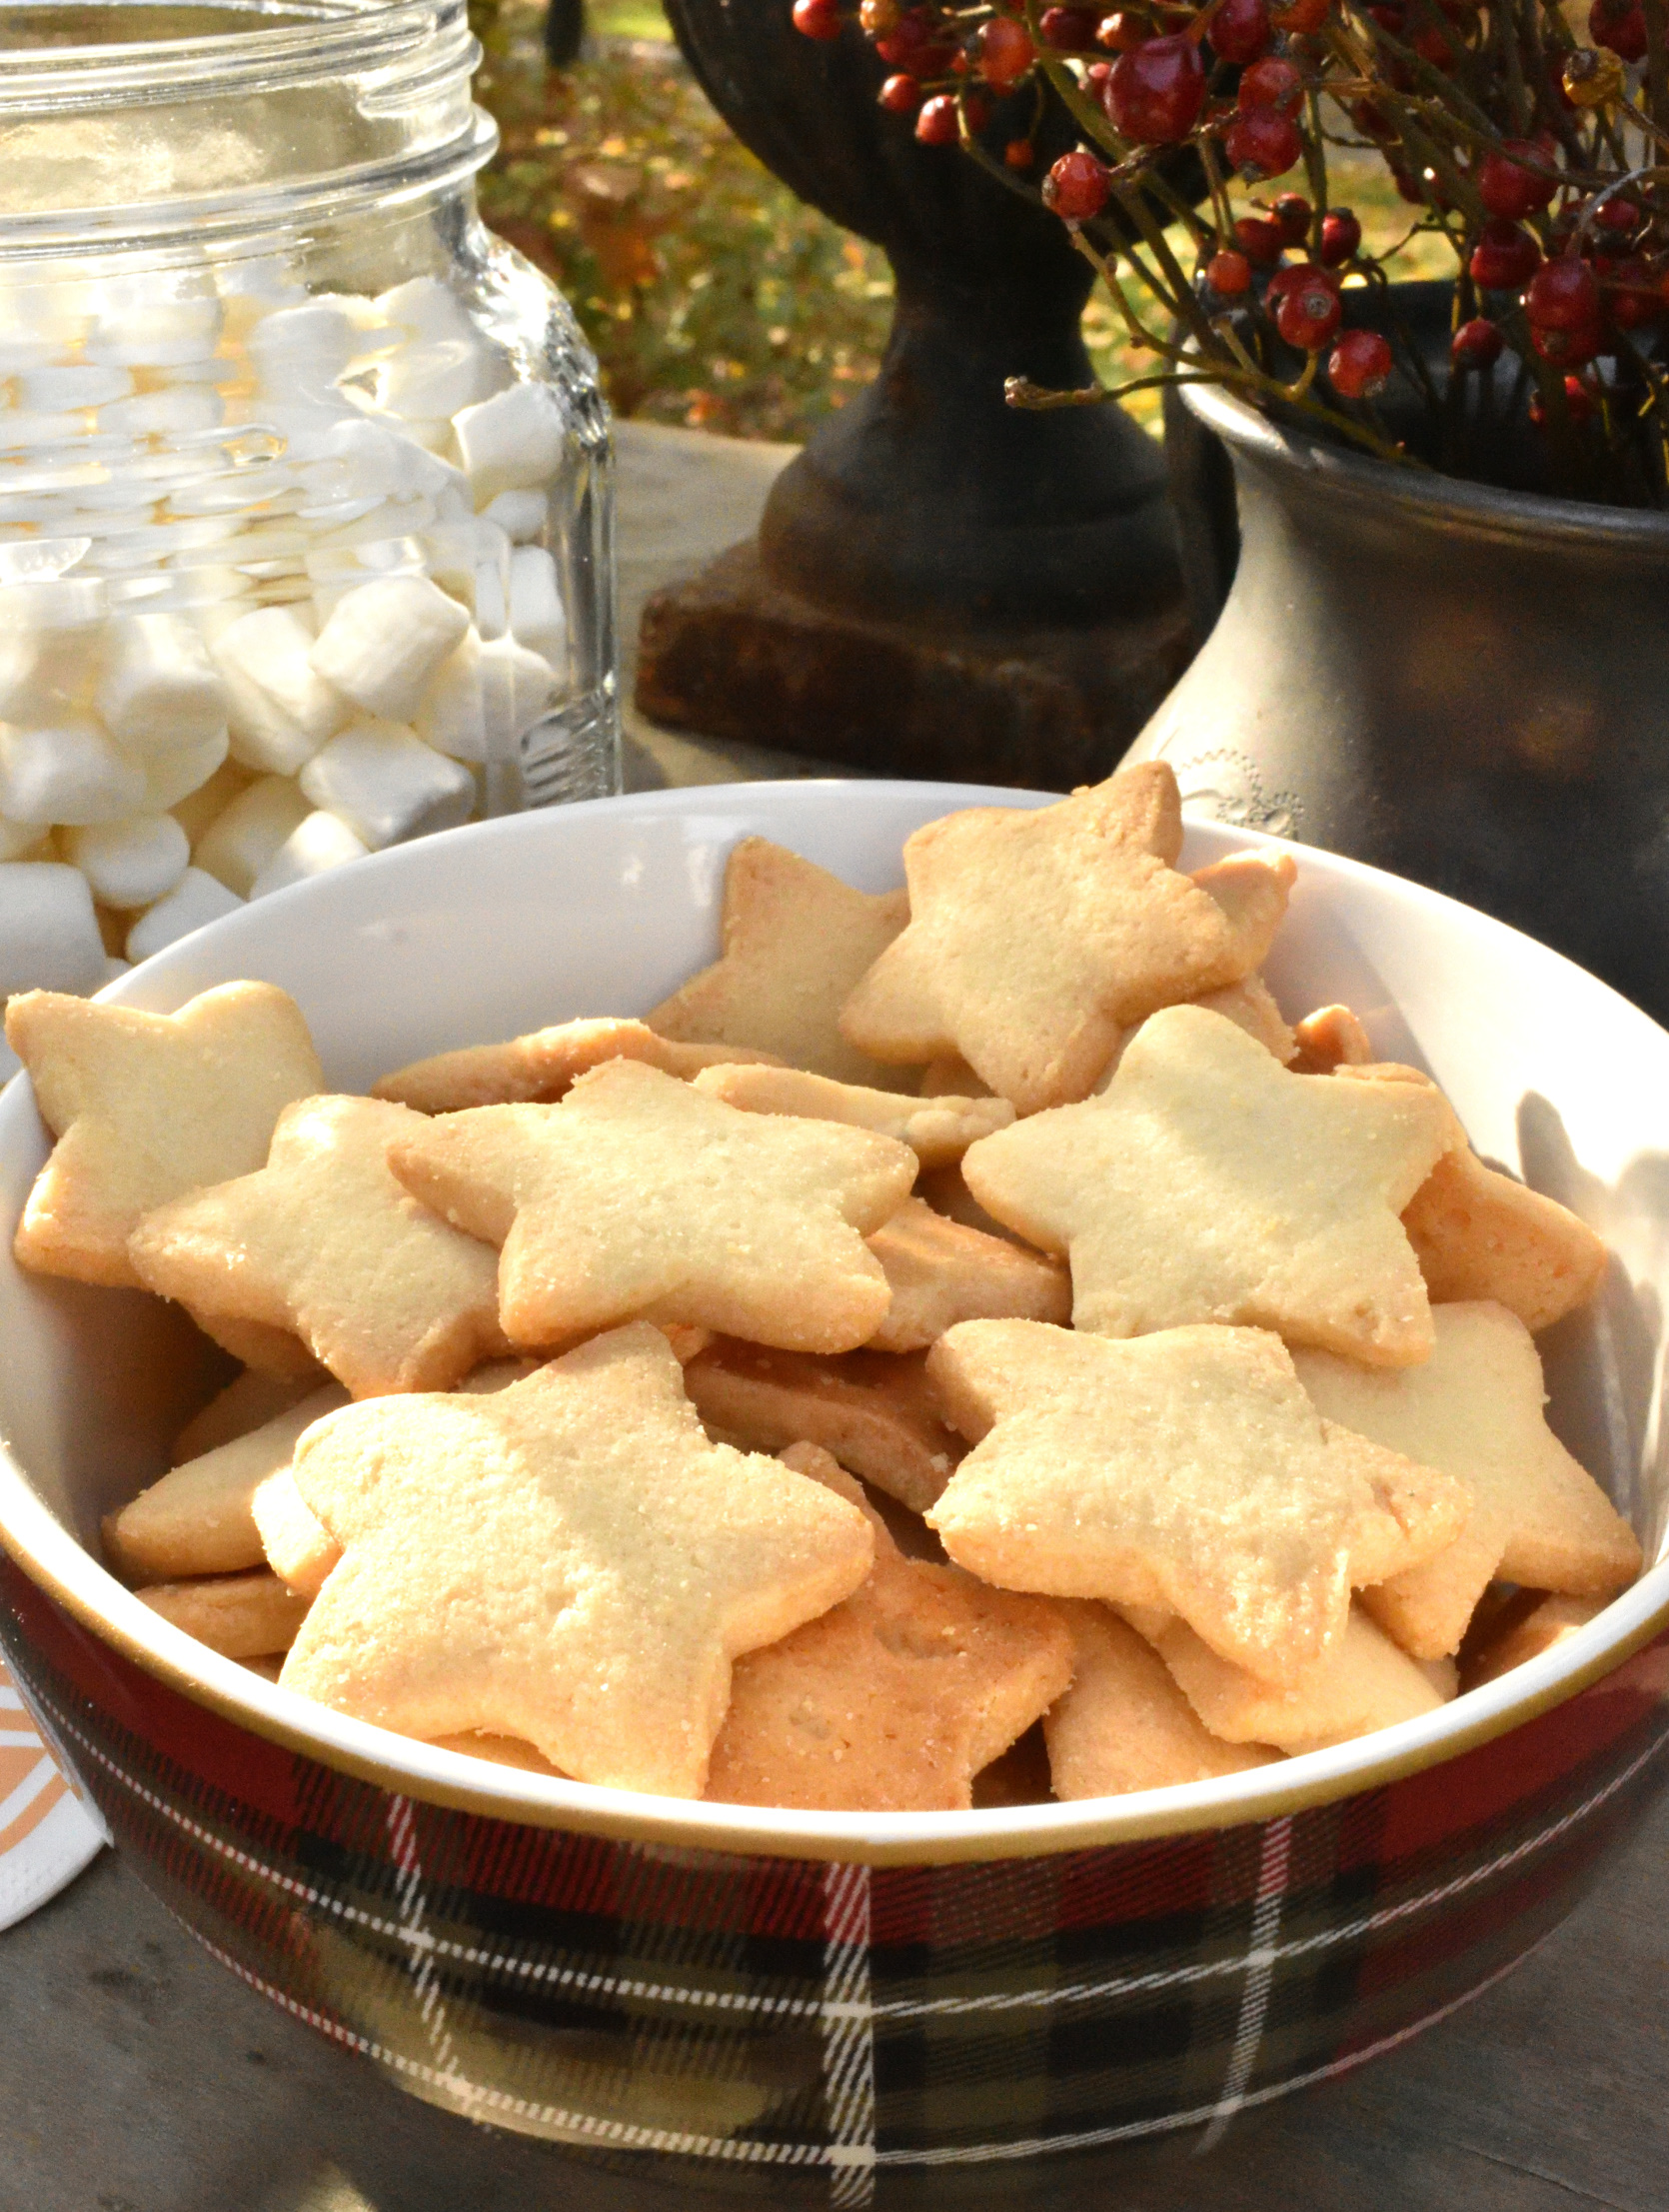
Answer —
248 1402
589 1564
794 940
942 1272
324 1242
871 1411
1209 1184
242 1616
1536 1626
1036 937
1125 1724
895 1699
541 1068
1331 1036
145 1108
1186 1470
638 1196
936 1131
1474 1409
1250 1005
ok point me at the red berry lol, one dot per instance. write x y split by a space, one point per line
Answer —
1270 84
1293 213
1156 92
1239 31
1077 187
1309 311
1475 345
1095 77
876 18
1262 143
1302 17
1228 273
1341 237
914 43
1503 257
1290 279
816 18
1259 240
1567 349
1621 25
900 95
1371 121
1019 153
1562 295
1434 45
1579 403
1070 30
1359 365
1508 188
1632 295
1120 31
936 124
1617 216
1389 19
1005 53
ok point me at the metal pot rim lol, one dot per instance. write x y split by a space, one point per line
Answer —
1443 501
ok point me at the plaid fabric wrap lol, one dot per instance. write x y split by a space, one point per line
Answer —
833 2034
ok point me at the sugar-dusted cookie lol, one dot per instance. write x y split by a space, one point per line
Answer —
1533 1625
1036 937
1331 1036
1186 1470
323 1240
1125 1724
794 940
1479 1234
895 1699
295 1543
146 1107
1364 1683
197 1518
568 1562
242 1616
937 1130
275 1354
942 1272
541 1068
1250 1005
640 1195
248 1402
1209 1184
1474 1409
872 1409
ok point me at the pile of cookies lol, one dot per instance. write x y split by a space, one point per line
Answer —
962 1344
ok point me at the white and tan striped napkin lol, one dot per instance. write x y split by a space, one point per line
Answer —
47 1833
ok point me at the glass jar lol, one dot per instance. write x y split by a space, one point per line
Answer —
305 493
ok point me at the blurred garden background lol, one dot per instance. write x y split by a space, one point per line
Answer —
715 299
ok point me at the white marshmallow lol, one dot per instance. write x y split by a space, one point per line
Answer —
158 689
282 708
368 460
387 786
174 413
537 618
175 775
451 716
152 321
429 381
65 772
512 442
384 642
195 901
32 432
245 834
43 675
132 863
515 688
18 838
521 516
55 603
49 934
470 561
426 307
318 843
302 349
77 386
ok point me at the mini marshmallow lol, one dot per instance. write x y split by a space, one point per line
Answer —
470 559
49 934
387 786
158 688
515 688
364 459
143 322
303 349
132 863
512 442
318 843
65 772
54 602
31 432
175 775
177 412
384 642
245 834
282 708
193 903
521 516
18 838
43 675
77 386
431 381
452 714
427 308
537 618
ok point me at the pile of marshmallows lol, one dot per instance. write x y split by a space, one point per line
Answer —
270 595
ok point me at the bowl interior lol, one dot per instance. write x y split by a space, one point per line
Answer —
603 908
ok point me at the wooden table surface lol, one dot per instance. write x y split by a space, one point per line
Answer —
137 2075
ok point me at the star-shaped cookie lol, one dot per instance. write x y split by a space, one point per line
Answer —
568 1562
541 1067
937 1130
1474 1409
638 1196
1206 1183
323 1240
1186 1470
1035 938
894 1701
794 940
146 1107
